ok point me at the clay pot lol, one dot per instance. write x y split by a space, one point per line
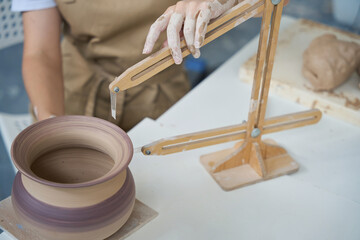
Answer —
73 180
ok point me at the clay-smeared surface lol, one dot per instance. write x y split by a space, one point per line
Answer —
328 62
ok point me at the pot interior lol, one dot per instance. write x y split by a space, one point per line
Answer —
72 165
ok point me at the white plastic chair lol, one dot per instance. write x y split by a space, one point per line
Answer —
11 31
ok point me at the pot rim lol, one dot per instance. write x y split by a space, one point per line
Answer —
116 130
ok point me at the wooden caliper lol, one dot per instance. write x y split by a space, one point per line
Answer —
251 160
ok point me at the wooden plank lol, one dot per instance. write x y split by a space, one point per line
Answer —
260 61
9 222
287 80
206 138
270 55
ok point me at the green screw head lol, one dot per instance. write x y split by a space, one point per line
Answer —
147 152
116 89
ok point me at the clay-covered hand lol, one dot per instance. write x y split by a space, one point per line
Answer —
193 17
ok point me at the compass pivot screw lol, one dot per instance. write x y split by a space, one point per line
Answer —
255 132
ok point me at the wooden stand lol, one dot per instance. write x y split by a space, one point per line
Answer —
231 168
251 160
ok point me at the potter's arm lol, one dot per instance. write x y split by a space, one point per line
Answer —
41 68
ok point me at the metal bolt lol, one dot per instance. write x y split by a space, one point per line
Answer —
275 2
116 89
147 152
255 132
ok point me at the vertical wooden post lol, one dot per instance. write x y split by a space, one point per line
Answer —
260 60
270 56
244 155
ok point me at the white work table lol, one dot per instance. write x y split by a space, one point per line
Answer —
320 201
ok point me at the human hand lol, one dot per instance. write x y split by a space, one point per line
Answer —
195 16
42 115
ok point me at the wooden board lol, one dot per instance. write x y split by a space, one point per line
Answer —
141 215
288 81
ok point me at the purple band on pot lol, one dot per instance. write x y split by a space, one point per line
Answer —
74 219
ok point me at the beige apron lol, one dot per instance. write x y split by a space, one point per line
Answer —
102 38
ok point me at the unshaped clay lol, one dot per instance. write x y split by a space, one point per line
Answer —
328 62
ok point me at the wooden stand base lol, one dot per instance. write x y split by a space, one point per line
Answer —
271 161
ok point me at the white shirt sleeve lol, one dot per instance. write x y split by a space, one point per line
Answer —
29 5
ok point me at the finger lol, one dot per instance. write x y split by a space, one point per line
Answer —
189 26
173 36
36 113
189 33
197 53
156 28
201 26
165 43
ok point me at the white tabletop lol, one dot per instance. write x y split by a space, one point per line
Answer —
320 201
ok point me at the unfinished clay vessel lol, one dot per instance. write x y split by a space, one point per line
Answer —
73 180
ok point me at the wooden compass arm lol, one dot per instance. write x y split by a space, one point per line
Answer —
227 134
162 59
